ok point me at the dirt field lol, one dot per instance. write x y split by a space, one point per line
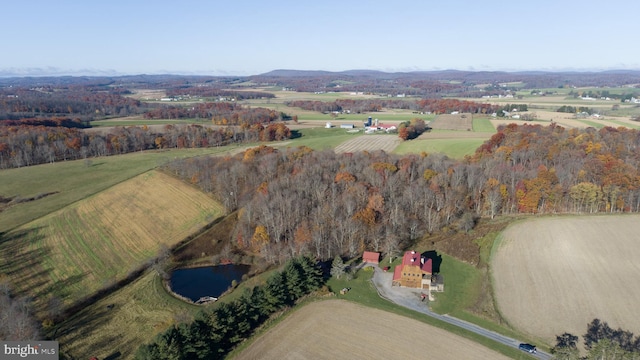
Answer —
462 122
568 120
336 329
555 275
369 143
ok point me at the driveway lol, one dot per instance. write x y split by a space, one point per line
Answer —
411 299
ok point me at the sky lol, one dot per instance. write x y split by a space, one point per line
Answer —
197 37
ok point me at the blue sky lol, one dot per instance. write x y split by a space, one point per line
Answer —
49 37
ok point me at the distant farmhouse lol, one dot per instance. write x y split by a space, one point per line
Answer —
416 272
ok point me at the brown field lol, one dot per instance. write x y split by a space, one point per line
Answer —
463 122
555 275
336 329
94 243
567 120
369 143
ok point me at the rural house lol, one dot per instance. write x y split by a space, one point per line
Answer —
371 257
414 272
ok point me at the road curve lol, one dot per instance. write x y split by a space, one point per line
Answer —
410 298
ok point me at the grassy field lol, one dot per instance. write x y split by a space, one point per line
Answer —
483 124
91 244
116 325
71 181
570 270
321 138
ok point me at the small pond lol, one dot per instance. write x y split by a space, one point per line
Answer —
212 281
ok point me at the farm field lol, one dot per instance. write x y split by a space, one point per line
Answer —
369 143
336 329
570 270
93 243
71 181
454 144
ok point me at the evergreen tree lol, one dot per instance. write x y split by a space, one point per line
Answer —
337 267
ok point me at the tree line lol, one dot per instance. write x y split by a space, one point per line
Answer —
220 113
215 332
27 145
82 103
601 342
299 201
436 106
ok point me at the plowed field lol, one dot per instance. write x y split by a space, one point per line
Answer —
555 275
337 329
369 143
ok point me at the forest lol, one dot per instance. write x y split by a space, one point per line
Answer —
26 145
298 201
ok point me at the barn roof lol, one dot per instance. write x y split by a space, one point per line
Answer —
371 257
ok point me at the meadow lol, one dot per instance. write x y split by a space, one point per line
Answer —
71 181
94 243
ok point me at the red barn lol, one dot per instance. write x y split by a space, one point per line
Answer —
371 257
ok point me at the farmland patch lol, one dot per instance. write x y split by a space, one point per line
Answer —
555 275
337 329
94 243
386 143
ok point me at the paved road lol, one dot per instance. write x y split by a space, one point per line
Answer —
410 298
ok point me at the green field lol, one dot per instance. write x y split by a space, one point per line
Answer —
483 124
454 148
321 138
71 181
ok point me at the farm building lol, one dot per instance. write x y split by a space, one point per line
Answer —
346 126
415 271
371 257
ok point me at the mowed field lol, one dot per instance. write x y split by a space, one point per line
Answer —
90 244
336 329
555 275
369 143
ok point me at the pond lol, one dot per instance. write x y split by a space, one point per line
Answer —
196 283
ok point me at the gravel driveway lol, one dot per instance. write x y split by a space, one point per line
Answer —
411 299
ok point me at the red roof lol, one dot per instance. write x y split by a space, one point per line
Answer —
396 272
371 257
415 259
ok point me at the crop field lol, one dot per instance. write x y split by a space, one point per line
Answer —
68 182
74 252
569 271
455 144
463 122
370 143
336 329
